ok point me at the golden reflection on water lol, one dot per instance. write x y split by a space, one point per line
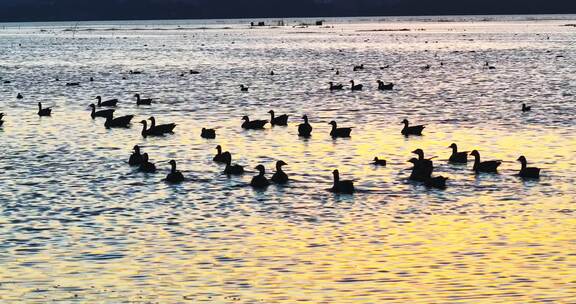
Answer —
118 236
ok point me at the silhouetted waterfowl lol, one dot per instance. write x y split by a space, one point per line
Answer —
358 67
45 111
136 157
19 96
7 81
342 186
305 129
385 67
135 72
208 133
337 72
119 122
335 87
528 172
233 169
280 177
260 181
222 157
194 72
243 88
103 113
423 168
174 176
526 108
339 132
411 130
160 129
150 132
385 86
271 73
281 120
254 124
379 162
457 157
355 87
91 79
142 102
107 103
72 84
426 67
146 166
438 182
487 166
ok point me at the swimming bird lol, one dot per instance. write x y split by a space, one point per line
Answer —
136 157
438 182
107 103
487 166
385 86
150 132
146 166
208 133
342 186
233 169
305 129
222 157
335 87
528 172
45 111
103 113
458 157
72 84
243 88
254 124
411 130
160 129
280 177
135 72
194 72
260 181
358 67
526 108
379 162
281 120
339 132
355 87
19 96
175 176
142 102
120 122
423 168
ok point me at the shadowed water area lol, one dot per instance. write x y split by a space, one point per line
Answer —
77 224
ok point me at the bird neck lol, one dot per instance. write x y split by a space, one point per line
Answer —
272 115
152 122
524 164
306 120
144 127
173 170
454 150
336 178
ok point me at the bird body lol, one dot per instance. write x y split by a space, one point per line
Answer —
107 103
305 129
281 120
528 172
339 132
253 124
260 181
19 96
355 87
526 108
175 176
385 86
160 129
222 157
136 157
120 122
486 166
233 169
335 87
44 111
379 162
103 113
458 157
280 177
438 182
243 88
411 130
342 186
146 166
208 133
142 102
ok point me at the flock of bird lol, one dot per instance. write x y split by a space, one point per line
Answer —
422 170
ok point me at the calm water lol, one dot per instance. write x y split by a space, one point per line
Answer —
77 224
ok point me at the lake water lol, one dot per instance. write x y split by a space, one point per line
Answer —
77 224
